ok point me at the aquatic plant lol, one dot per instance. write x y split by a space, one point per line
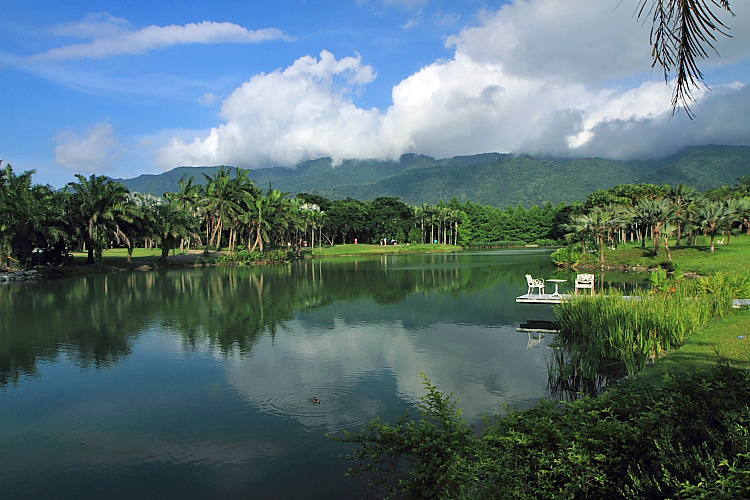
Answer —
633 330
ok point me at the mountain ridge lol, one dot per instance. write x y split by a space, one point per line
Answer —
498 179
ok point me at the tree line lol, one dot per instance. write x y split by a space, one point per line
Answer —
229 211
636 212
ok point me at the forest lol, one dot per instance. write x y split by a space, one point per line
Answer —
229 211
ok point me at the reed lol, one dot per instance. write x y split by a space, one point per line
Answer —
635 331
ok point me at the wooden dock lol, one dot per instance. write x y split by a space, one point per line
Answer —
542 298
552 298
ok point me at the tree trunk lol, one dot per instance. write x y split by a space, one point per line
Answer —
164 250
666 248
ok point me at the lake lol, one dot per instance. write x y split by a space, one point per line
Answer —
198 383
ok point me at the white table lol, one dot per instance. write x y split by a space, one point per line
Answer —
557 284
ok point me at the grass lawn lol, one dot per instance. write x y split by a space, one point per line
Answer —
703 349
360 249
115 256
697 259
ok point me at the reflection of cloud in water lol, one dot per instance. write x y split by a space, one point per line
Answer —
347 364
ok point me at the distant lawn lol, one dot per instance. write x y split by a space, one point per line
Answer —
114 256
360 249
117 256
697 258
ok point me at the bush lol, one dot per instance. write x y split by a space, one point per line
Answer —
681 441
415 235
568 255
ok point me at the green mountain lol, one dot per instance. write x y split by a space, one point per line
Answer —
489 178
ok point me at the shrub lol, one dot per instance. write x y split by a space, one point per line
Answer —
675 442
568 255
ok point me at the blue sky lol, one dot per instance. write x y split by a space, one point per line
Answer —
125 88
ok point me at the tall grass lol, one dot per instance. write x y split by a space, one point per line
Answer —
596 329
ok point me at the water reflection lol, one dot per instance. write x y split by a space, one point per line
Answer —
199 382
344 365
95 320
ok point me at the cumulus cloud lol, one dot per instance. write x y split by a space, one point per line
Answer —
113 36
301 112
545 77
95 151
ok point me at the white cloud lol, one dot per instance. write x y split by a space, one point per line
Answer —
545 77
95 151
282 117
95 25
112 36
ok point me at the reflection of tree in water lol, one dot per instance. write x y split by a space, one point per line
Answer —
95 320
90 321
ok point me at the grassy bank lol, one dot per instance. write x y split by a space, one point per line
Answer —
698 259
702 350
360 249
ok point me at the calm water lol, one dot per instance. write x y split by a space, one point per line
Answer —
198 383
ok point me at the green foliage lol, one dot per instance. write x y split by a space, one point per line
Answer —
687 439
545 242
567 255
735 285
244 257
415 235
439 448
659 280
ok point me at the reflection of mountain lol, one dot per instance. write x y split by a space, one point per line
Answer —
94 320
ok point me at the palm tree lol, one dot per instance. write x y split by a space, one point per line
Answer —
711 218
171 223
580 228
668 230
600 222
683 200
186 198
100 205
734 208
220 203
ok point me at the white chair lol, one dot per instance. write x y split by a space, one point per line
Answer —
534 283
585 281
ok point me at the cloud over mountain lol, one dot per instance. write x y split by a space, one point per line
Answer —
541 77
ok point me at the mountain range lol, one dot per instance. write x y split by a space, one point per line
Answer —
490 178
